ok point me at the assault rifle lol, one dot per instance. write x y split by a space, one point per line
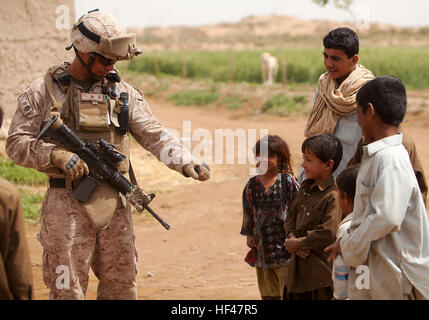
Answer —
101 159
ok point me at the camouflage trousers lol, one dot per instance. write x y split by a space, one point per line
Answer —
71 247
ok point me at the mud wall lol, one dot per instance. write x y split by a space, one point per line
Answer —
33 36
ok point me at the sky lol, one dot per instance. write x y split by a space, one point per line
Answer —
163 13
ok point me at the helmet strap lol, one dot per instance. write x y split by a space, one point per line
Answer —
88 66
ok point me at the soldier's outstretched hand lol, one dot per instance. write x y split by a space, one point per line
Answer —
199 172
69 163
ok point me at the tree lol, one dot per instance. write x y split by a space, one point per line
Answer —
340 4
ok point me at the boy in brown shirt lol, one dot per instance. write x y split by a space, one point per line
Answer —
312 221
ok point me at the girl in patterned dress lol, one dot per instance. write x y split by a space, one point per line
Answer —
266 199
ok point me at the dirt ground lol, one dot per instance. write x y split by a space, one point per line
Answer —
201 257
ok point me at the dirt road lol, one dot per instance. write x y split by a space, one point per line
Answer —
201 257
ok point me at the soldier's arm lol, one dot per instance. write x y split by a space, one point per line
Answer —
21 145
153 136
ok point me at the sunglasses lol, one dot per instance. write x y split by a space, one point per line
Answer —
104 61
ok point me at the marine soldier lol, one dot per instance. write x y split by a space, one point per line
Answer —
86 94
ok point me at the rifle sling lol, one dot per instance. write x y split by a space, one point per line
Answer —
132 175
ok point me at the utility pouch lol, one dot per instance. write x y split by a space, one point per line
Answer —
101 205
123 114
92 112
114 112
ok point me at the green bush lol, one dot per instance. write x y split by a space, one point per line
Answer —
193 97
20 175
233 102
31 204
162 86
283 105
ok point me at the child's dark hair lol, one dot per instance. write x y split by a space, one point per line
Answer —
326 147
388 96
346 181
276 145
344 39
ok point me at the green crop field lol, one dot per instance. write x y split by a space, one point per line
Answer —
31 201
303 65
31 204
20 175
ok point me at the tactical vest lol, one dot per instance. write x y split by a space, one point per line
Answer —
92 115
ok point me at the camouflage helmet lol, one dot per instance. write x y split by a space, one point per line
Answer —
99 32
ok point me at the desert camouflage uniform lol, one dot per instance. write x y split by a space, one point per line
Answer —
66 234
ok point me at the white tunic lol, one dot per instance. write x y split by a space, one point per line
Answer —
349 133
389 233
